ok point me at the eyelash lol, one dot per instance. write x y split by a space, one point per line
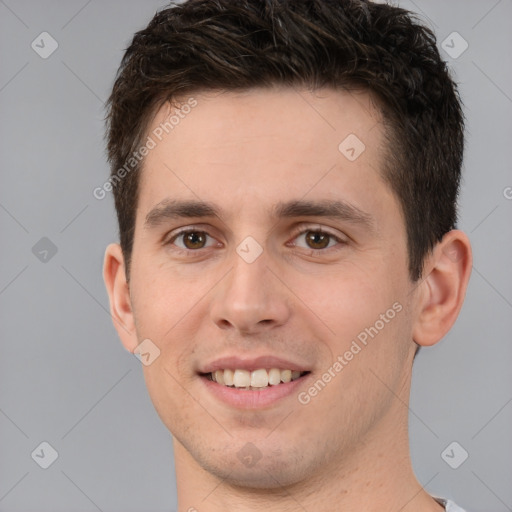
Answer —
295 234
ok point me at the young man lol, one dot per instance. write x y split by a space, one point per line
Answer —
285 177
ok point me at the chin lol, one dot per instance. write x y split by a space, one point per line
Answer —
271 475
241 464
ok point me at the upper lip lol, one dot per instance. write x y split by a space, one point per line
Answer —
251 364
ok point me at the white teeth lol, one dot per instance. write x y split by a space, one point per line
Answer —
274 377
219 376
228 377
286 375
259 379
242 379
256 379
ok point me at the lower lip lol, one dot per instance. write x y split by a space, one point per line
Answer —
253 399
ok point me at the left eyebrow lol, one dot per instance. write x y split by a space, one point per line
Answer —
333 209
170 209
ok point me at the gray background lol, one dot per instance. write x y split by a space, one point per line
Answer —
64 376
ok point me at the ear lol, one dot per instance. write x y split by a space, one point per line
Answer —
118 291
443 288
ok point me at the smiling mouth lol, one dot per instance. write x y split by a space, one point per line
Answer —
253 380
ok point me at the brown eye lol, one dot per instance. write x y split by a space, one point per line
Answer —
190 240
317 239
194 239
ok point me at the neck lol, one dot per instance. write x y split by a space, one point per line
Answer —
376 476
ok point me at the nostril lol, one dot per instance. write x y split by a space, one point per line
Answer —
224 324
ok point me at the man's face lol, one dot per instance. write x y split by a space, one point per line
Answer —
276 280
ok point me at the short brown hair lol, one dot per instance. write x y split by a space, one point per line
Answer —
204 45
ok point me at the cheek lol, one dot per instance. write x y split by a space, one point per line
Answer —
166 308
348 300
369 323
163 296
368 326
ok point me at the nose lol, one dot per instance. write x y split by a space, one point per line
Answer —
250 299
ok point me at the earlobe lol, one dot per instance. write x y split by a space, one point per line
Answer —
444 287
121 311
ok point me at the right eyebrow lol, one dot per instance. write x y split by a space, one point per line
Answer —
169 209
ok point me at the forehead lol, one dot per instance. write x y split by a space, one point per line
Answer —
252 149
